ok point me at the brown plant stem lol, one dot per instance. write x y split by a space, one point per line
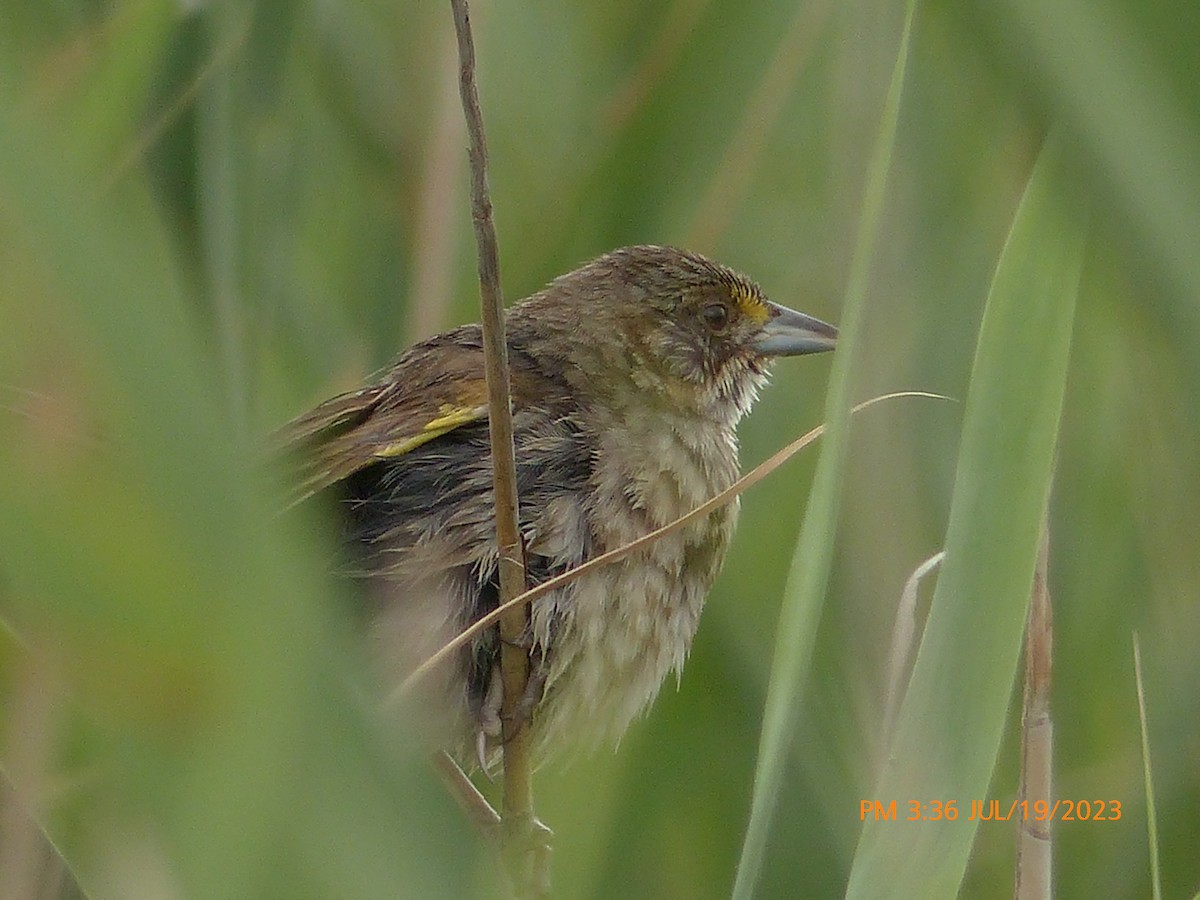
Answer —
473 803
1156 891
1035 843
528 861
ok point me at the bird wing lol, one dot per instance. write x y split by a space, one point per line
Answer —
433 389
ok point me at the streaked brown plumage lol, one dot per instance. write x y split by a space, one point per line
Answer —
629 376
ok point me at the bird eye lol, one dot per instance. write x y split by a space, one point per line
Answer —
716 316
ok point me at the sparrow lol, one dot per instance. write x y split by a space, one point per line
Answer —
629 376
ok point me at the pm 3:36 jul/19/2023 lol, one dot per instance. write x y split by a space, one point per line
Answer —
932 810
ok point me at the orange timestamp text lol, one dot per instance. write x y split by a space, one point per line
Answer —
990 811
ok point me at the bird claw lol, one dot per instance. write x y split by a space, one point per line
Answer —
490 725
492 720
530 698
481 740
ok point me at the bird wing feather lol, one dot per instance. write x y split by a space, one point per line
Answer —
433 389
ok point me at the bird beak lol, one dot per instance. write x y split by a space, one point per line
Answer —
790 333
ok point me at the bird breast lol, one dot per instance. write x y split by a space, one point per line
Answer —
616 633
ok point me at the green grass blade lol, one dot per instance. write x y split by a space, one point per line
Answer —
1117 89
952 719
1148 776
210 717
804 595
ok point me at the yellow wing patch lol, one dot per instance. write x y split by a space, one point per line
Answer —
449 417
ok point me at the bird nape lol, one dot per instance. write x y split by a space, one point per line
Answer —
629 376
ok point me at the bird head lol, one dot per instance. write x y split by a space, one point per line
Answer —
677 325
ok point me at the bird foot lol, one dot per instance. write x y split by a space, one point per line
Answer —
530 698
490 725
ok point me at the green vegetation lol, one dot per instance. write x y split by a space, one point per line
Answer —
214 214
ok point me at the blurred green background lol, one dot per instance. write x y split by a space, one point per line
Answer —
213 215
